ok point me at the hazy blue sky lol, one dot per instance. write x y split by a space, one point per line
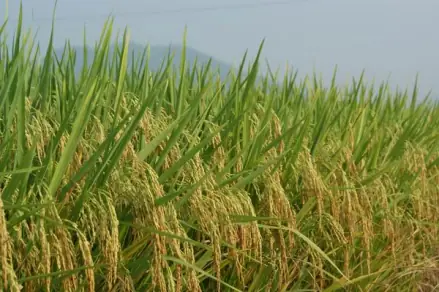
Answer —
381 36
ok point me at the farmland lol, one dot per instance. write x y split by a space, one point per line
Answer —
123 179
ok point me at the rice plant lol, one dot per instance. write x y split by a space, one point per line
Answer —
124 179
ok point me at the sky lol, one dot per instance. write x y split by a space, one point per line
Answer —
390 39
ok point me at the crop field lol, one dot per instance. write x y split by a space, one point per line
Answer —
123 179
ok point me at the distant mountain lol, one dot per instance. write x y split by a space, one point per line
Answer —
158 53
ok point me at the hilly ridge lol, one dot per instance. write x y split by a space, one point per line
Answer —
158 54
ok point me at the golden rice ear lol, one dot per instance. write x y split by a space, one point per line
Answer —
45 253
278 206
84 246
219 157
313 185
9 278
140 197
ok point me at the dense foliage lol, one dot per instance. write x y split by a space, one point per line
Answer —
131 180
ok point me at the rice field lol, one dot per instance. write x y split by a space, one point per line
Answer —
123 179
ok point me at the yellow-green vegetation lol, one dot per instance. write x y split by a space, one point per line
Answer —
122 179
